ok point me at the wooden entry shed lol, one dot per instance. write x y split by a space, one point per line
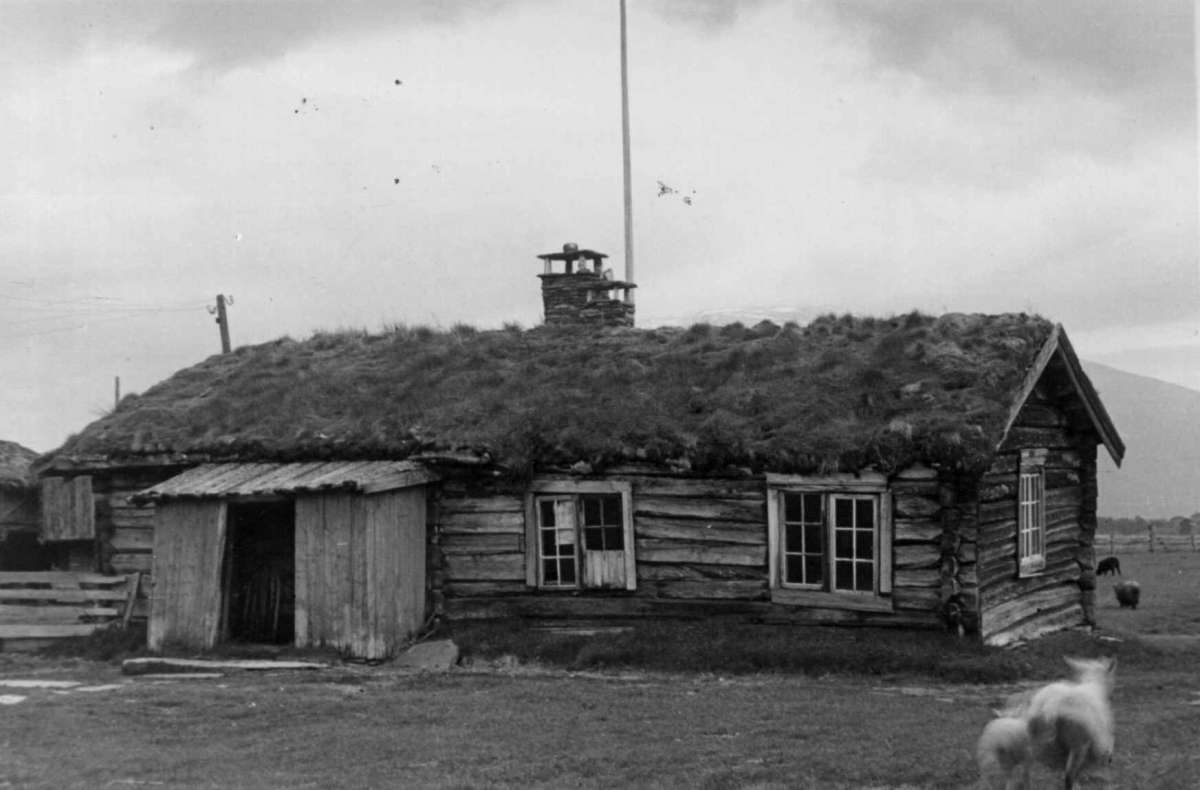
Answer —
320 554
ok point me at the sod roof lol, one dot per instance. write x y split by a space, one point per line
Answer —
842 393
16 463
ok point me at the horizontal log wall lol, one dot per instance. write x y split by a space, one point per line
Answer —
125 531
1063 593
476 542
700 548
700 539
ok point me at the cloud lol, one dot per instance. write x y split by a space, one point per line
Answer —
224 34
707 14
1138 52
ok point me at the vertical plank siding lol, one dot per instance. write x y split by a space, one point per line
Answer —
360 570
68 512
189 547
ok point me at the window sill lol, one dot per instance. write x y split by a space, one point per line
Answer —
826 600
1031 573
577 592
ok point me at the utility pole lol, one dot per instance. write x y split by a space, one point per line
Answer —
222 321
625 159
116 391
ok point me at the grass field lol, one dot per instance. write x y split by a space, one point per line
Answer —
501 723
1170 602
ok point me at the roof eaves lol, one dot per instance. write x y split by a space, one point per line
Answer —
229 480
1091 399
1058 344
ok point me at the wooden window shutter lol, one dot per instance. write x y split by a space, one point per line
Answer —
68 509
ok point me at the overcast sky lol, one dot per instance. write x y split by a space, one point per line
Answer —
361 164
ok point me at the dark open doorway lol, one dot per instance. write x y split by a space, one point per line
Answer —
260 572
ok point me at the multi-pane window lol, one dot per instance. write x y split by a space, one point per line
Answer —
602 529
804 539
1031 520
829 541
854 543
556 527
581 539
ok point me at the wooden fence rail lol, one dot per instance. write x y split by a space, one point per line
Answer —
57 604
1150 541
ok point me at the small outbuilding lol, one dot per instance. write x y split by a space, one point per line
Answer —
20 549
911 471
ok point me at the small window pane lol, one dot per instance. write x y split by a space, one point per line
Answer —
794 569
612 509
591 510
814 569
844 575
593 539
865 512
813 542
793 538
614 538
568 572
864 573
864 544
814 512
547 506
550 571
843 542
843 512
793 508
549 544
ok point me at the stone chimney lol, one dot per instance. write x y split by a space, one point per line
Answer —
583 293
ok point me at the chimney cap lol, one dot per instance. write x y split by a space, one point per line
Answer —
571 252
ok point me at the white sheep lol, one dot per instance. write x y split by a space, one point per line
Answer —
1070 723
1005 752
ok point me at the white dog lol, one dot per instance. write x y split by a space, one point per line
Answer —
1070 723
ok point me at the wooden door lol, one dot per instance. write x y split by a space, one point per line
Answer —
189 546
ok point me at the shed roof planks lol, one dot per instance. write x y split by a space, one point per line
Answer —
266 479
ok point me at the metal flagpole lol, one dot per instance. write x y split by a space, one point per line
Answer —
625 157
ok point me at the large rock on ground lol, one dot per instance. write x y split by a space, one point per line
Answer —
436 656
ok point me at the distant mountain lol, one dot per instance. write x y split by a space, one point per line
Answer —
1160 424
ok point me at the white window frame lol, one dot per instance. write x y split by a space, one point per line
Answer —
1031 513
541 489
831 488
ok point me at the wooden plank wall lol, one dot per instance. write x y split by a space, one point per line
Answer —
1011 607
125 531
360 571
52 604
189 549
934 541
700 539
700 547
20 510
67 509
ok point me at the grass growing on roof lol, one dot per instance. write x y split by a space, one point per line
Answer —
839 394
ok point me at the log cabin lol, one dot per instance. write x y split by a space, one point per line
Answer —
20 549
912 471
